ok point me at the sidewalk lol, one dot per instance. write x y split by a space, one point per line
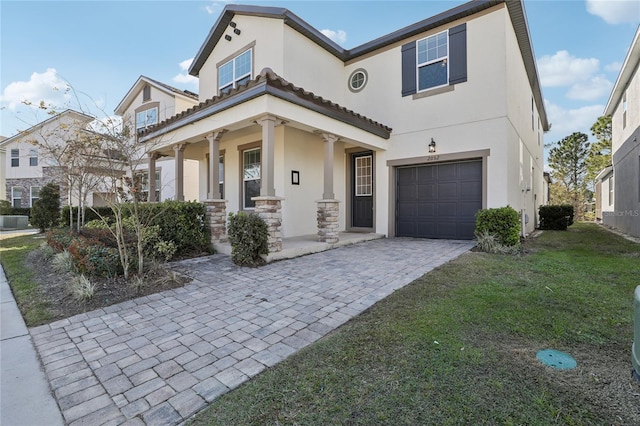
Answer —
25 396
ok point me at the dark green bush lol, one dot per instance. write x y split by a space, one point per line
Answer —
6 209
503 223
183 223
248 235
556 218
89 214
46 210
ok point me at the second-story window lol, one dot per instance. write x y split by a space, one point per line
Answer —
433 53
33 157
146 118
15 158
235 72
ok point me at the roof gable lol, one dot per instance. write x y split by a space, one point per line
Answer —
82 117
139 85
516 13
631 62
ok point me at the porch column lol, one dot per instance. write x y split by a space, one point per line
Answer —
179 178
153 156
267 187
328 207
214 164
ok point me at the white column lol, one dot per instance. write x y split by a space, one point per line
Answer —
179 178
153 156
214 164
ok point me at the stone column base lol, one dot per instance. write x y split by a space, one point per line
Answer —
328 212
270 210
217 217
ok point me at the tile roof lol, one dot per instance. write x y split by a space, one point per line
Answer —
267 82
187 93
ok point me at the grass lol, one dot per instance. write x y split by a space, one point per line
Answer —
13 252
458 345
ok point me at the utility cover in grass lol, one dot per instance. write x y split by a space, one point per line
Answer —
556 359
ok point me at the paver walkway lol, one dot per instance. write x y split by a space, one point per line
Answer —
161 358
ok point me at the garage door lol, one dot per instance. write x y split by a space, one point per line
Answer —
439 200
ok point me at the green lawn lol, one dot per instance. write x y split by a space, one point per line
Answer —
458 346
13 252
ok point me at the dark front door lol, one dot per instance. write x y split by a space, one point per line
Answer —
362 190
439 200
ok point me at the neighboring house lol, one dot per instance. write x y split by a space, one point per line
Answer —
3 178
604 193
406 135
147 103
26 168
624 108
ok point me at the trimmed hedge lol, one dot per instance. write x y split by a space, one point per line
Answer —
89 214
248 235
556 218
183 223
503 223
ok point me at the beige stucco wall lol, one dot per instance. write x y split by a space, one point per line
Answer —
268 36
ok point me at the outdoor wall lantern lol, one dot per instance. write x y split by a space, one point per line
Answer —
432 146
295 177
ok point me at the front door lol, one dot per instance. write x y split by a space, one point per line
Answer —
362 190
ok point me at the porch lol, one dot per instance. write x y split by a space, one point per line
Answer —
306 244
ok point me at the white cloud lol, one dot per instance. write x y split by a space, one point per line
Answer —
615 11
566 121
184 77
339 36
590 90
47 87
215 6
613 67
563 69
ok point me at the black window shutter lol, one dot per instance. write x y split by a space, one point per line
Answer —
458 54
409 85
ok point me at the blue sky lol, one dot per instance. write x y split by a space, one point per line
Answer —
102 47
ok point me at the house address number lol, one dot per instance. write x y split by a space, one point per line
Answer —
432 157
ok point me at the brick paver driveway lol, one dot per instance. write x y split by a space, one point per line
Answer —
159 359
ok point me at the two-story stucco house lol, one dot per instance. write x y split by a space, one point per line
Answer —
624 108
406 135
26 169
147 103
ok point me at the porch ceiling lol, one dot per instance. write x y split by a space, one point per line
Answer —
267 94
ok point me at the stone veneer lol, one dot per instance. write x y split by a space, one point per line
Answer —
328 211
270 210
217 216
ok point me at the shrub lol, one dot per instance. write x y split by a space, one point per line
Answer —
556 218
89 214
59 239
503 223
248 235
88 253
62 262
489 243
46 210
6 209
82 288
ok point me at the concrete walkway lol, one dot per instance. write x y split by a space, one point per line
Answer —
25 397
161 358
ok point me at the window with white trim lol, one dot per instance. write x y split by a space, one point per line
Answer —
433 54
15 158
16 196
145 185
250 177
624 109
33 157
35 195
235 72
363 181
146 118
221 176
611 190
